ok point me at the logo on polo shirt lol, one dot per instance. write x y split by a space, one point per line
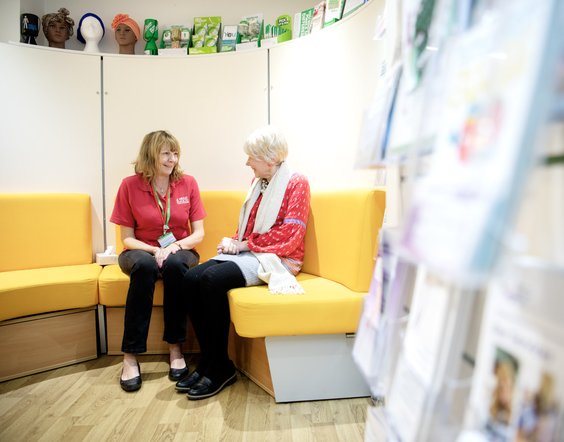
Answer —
182 200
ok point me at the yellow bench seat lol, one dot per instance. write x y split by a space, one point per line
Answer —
34 291
113 285
326 307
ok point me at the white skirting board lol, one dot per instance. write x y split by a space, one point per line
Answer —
314 367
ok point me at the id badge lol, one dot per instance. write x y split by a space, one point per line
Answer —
166 240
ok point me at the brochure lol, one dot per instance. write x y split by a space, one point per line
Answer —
303 22
318 18
333 11
228 38
462 206
430 361
383 318
351 6
518 385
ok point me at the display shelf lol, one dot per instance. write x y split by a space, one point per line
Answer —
500 96
180 13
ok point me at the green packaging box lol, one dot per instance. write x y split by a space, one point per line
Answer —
205 37
249 32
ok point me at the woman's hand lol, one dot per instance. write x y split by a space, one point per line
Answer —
161 254
227 246
230 246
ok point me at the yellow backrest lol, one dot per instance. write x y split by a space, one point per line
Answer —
223 209
44 230
341 238
342 235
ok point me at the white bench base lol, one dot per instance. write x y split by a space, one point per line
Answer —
314 367
300 368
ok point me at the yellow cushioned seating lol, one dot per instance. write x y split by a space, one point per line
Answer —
49 264
341 242
48 283
30 292
270 330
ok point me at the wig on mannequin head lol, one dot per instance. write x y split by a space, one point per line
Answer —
79 33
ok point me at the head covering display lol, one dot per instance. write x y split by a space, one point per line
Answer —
126 20
61 16
88 14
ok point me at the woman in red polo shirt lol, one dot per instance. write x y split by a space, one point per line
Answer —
161 217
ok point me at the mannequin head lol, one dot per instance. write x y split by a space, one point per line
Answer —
29 28
57 27
90 31
126 33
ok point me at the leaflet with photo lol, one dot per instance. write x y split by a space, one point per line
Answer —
518 386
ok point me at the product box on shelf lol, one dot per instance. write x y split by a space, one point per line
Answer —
175 40
318 19
228 38
205 39
278 33
351 6
333 11
250 32
302 22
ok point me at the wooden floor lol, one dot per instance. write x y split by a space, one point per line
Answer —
85 402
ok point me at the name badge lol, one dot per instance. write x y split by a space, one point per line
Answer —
166 240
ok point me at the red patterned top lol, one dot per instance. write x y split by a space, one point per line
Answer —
286 237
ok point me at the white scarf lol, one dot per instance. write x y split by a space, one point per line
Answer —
271 270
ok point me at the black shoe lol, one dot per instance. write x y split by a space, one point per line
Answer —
205 387
175 374
132 384
186 383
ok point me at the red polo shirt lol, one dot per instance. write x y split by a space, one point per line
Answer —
135 207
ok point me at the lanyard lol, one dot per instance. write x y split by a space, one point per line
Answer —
158 200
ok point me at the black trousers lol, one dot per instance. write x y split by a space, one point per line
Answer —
206 288
143 274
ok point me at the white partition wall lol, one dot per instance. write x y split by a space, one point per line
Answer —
50 129
320 86
210 103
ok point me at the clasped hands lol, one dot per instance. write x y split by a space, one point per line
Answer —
161 254
230 246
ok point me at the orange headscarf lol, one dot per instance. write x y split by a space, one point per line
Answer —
126 20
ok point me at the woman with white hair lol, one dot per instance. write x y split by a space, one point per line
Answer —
268 247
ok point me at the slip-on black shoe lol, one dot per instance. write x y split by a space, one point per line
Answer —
175 374
132 384
205 387
187 382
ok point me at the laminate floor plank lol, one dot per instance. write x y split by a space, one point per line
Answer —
83 402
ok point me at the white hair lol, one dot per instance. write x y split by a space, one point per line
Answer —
268 144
